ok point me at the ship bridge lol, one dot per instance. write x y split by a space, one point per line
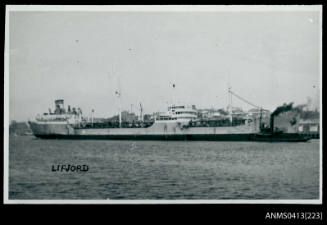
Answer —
183 112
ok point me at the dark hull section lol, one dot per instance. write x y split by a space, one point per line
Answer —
189 137
286 137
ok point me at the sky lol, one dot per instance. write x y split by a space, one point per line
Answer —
268 58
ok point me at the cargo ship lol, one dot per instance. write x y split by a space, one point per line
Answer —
180 122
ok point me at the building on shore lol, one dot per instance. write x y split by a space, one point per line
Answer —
305 123
309 127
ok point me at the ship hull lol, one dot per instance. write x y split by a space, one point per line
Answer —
162 132
193 137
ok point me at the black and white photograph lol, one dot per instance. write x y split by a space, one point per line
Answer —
163 104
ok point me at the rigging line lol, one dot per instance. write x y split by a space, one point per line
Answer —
244 100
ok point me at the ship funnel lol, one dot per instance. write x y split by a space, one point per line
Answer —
59 106
280 109
272 123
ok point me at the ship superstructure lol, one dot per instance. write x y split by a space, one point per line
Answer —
60 115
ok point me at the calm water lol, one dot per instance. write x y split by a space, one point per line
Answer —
163 170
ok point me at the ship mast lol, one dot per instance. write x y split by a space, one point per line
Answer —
119 111
118 93
230 104
119 107
92 117
173 94
141 110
